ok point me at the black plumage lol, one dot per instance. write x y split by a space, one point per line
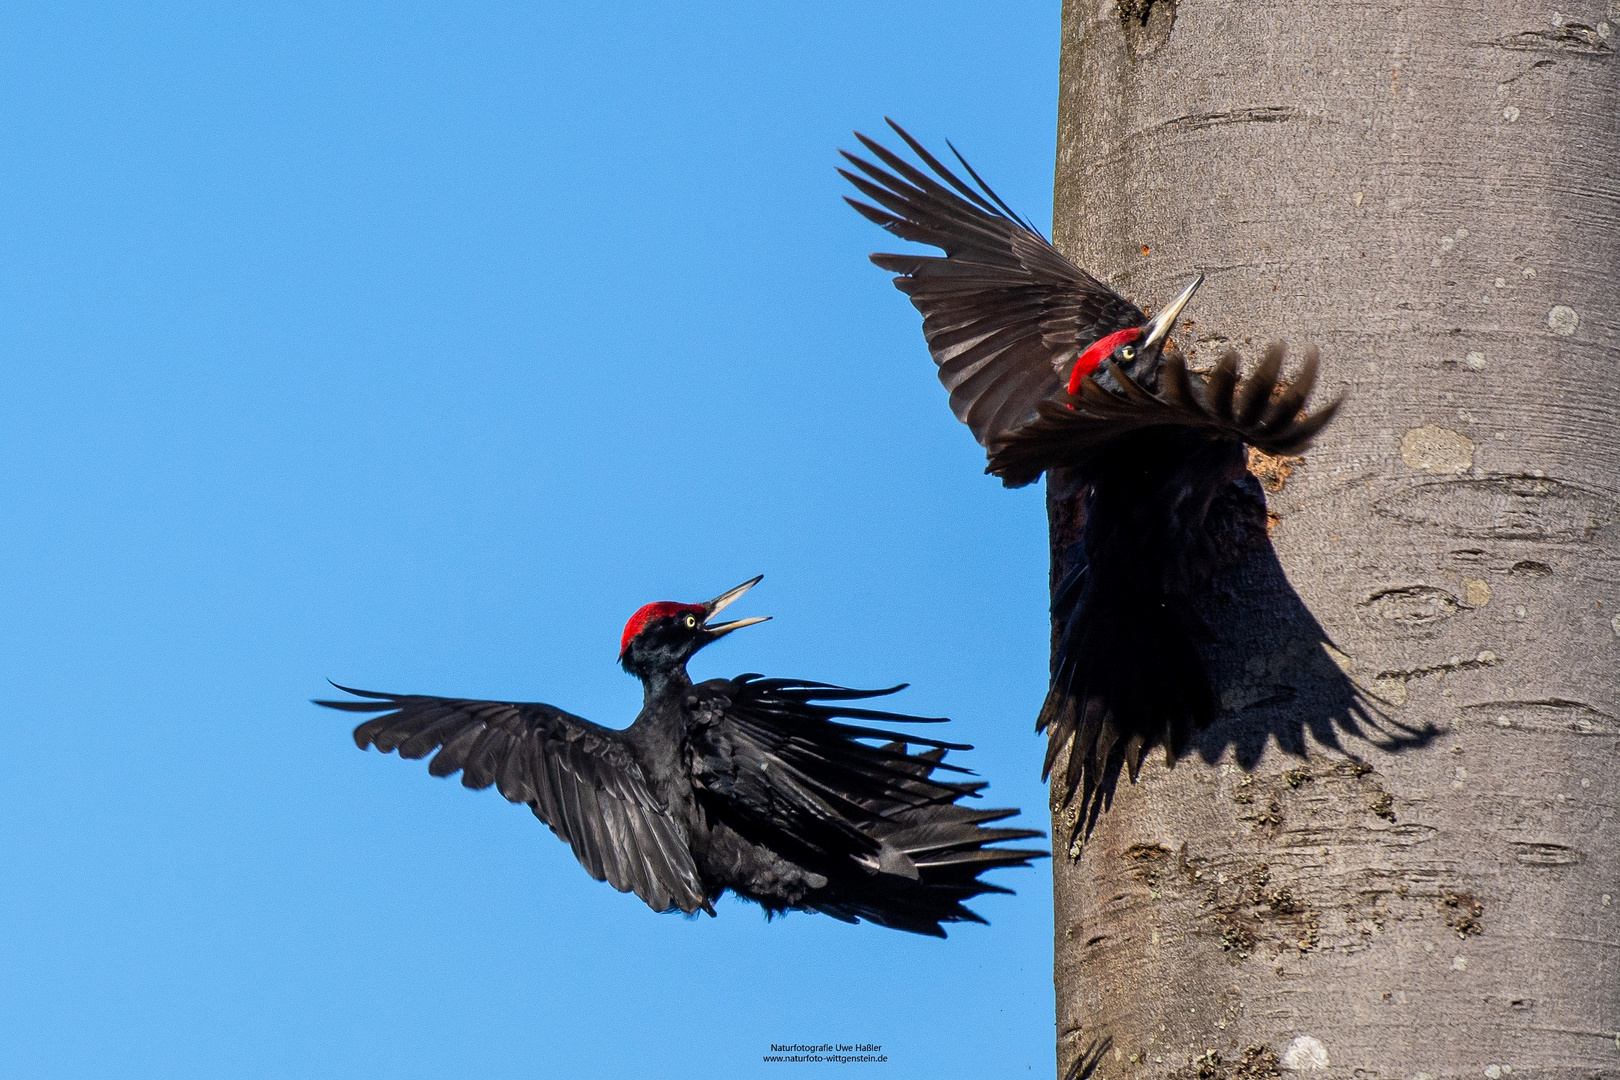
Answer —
748 784
1004 313
1076 430
1052 369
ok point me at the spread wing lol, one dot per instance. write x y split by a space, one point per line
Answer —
1260 410
1005 315
578 777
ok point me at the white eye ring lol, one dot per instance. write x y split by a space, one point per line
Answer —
1128 352
691 620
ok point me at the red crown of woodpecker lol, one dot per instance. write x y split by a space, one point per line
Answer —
1098 352
647 613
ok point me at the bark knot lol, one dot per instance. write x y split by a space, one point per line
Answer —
1146 25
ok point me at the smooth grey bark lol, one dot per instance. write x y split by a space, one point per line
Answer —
1429 192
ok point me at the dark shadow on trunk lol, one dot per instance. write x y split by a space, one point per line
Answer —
1090 1058
1270 662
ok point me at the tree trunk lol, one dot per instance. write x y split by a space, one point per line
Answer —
1396 854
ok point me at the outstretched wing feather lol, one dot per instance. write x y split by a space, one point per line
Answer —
1004 313
579 778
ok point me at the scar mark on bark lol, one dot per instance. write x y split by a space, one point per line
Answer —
1148 875
1260 114
1511 79
1530 854
1403 836
1544 715
1502 508
1147 851
1572 37
1484 659
1412 605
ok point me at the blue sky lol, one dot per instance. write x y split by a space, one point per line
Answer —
415 347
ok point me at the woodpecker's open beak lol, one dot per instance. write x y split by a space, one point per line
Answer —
1160 327
719 604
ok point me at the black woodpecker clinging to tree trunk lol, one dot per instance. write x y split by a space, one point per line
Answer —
747 784
1052 369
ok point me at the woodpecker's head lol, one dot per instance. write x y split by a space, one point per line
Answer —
1136 348
665 635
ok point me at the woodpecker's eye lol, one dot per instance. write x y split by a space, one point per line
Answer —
1128 352
691 621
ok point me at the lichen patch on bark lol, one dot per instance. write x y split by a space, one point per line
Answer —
1563 320
1437 449
1305 1054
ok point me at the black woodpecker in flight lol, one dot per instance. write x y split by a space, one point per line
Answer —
748 784
1052 369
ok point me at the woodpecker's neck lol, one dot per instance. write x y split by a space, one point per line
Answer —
664 681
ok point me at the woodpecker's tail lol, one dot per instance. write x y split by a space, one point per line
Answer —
881 832
934 850
1127 672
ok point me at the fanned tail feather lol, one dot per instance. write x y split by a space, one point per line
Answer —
880 823
944 847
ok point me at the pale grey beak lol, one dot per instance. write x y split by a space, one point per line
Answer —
719 603
1159 328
